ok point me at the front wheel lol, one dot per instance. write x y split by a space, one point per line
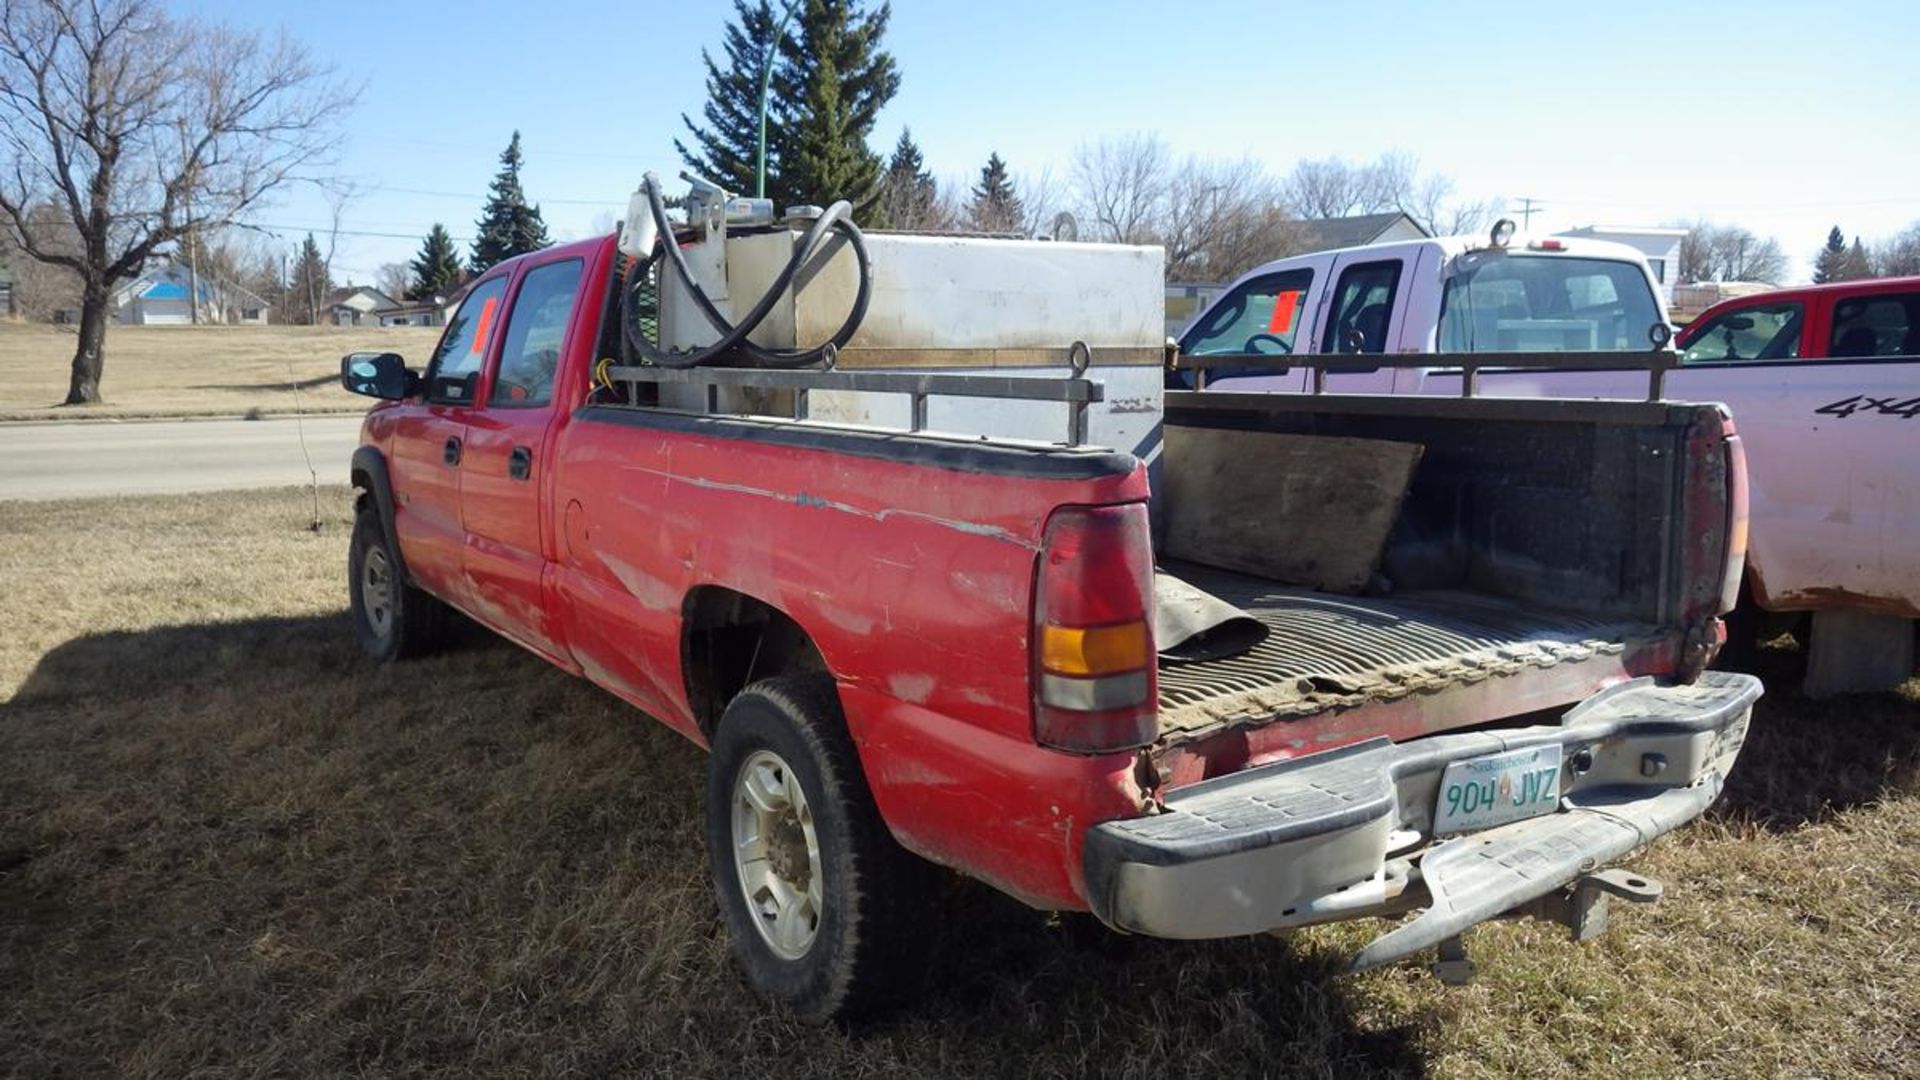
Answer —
392 619
827 913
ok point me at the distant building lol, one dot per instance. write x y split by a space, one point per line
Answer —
6 292
357 305
1329 234
1185 300
413 313
1661 246
159 297
1690 300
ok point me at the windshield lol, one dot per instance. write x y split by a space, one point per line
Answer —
1545 303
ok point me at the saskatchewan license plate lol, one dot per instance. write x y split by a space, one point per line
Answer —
1481 792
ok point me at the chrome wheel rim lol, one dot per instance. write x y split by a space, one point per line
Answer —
376 591
776 854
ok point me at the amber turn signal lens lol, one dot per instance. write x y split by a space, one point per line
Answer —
1103 650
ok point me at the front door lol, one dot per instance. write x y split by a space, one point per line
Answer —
429 446
503 487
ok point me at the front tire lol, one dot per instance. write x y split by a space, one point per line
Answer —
392 619
828 915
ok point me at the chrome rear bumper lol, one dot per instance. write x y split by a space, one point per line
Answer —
1340 835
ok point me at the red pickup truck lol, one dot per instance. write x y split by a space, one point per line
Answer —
907 648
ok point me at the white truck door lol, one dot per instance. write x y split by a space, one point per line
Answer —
1359 317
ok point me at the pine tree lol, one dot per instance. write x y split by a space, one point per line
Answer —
1831 258
308 288
909 196
436 270
995 207
833 79
1857 264
724 150
507 226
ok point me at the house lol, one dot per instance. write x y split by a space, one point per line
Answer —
415 313
158 297
1660 246
6 292
1185 300
356 305
1329 234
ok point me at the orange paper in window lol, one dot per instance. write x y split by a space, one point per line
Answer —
1283 306
485 324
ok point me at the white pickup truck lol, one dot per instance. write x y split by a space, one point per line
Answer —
1828 428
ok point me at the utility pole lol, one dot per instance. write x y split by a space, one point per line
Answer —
1528 208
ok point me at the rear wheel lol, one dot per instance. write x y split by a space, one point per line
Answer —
392 619
827 913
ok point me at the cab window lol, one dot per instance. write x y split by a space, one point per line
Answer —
1261 316
536 334
1361 307
1761 332
1886 325
454 371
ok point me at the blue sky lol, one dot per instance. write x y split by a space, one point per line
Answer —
1785 117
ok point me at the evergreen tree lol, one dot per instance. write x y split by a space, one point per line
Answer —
724 150
508 226
1858 264
436 270
995 207
1831 257
909 196
833 79
307 289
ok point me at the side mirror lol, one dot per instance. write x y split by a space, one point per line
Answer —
377 375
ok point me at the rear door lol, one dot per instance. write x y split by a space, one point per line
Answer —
509 541
1360 317
429 445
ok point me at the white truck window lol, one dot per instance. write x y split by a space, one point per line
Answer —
1261 315
1876 326
1541 303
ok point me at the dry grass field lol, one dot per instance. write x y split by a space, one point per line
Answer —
230 846
159 371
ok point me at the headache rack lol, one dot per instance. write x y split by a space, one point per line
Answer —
1076 391
1467 365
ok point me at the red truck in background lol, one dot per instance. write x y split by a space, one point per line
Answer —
910 648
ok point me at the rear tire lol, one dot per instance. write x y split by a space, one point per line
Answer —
392 619
828 915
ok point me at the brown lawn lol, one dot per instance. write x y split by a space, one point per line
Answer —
158 371
230 845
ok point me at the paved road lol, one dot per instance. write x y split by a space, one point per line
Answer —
95 457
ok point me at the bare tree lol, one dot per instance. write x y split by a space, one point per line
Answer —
143 127
1900 256
392 278
1041 198
1122 186
1335 187
1711 252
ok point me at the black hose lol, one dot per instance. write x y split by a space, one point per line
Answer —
733 337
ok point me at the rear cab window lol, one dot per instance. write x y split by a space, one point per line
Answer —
454 372
536 334
1886 324
1757 332
1495 302
1362 308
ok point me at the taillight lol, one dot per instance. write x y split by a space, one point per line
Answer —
1093 653
1737 510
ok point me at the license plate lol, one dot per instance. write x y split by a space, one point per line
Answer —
1481 792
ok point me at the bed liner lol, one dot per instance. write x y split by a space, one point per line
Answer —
1325 651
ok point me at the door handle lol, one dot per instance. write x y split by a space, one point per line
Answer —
520 463
451 452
